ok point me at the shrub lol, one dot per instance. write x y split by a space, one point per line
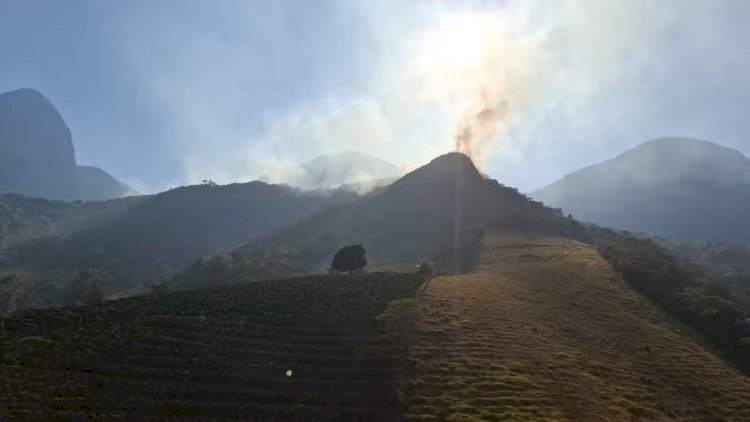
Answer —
425 268
349 259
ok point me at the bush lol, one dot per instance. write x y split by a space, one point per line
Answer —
349 259
425 268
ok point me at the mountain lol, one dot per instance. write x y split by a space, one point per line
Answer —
37 157
438 212
36 149
23 217
171 229
683 189
96 184
354 170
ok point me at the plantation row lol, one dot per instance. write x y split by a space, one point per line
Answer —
303 349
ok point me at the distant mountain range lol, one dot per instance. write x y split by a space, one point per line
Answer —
682 189
37 156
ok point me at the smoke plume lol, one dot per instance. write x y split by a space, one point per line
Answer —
500 81
482 125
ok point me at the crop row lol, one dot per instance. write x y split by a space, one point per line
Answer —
222 352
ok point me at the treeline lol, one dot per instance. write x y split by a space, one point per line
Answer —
684 290
20 290
719 257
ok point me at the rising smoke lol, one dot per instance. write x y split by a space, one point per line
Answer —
543 81
481 126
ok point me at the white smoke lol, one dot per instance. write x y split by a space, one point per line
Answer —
543 86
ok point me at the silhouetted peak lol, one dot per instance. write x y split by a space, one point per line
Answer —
444 171
37 157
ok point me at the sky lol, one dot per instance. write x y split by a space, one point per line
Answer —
172 92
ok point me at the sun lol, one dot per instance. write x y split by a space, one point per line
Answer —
460 42
463 65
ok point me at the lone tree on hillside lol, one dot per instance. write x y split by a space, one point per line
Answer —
349 259
425 267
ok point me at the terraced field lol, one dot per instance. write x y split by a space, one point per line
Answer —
303 349
545 331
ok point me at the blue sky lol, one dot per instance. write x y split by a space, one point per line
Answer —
172 92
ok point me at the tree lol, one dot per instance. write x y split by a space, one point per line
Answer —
95 295
425 268
16 292
349 258
160 285
84 288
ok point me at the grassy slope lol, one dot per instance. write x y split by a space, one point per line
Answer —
545 330
214 352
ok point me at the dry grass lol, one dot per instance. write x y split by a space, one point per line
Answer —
545 331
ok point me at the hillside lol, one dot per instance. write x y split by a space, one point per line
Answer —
307 349
545 330
718 257
37 156
683 189
24 217
438 212
171 229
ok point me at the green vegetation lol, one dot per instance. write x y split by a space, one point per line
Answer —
726 266
84 289
349 258
131 241
173 228
698 300
23 218
16 292
425 267
718 257
221 352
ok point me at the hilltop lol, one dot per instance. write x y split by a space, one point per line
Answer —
437 212
683 189
37 156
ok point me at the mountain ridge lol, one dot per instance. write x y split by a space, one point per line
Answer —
683 189
438 212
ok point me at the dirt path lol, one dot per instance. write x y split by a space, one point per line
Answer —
545 331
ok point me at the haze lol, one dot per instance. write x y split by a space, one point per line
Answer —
174 92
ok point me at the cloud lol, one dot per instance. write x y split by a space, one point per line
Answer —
246 89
